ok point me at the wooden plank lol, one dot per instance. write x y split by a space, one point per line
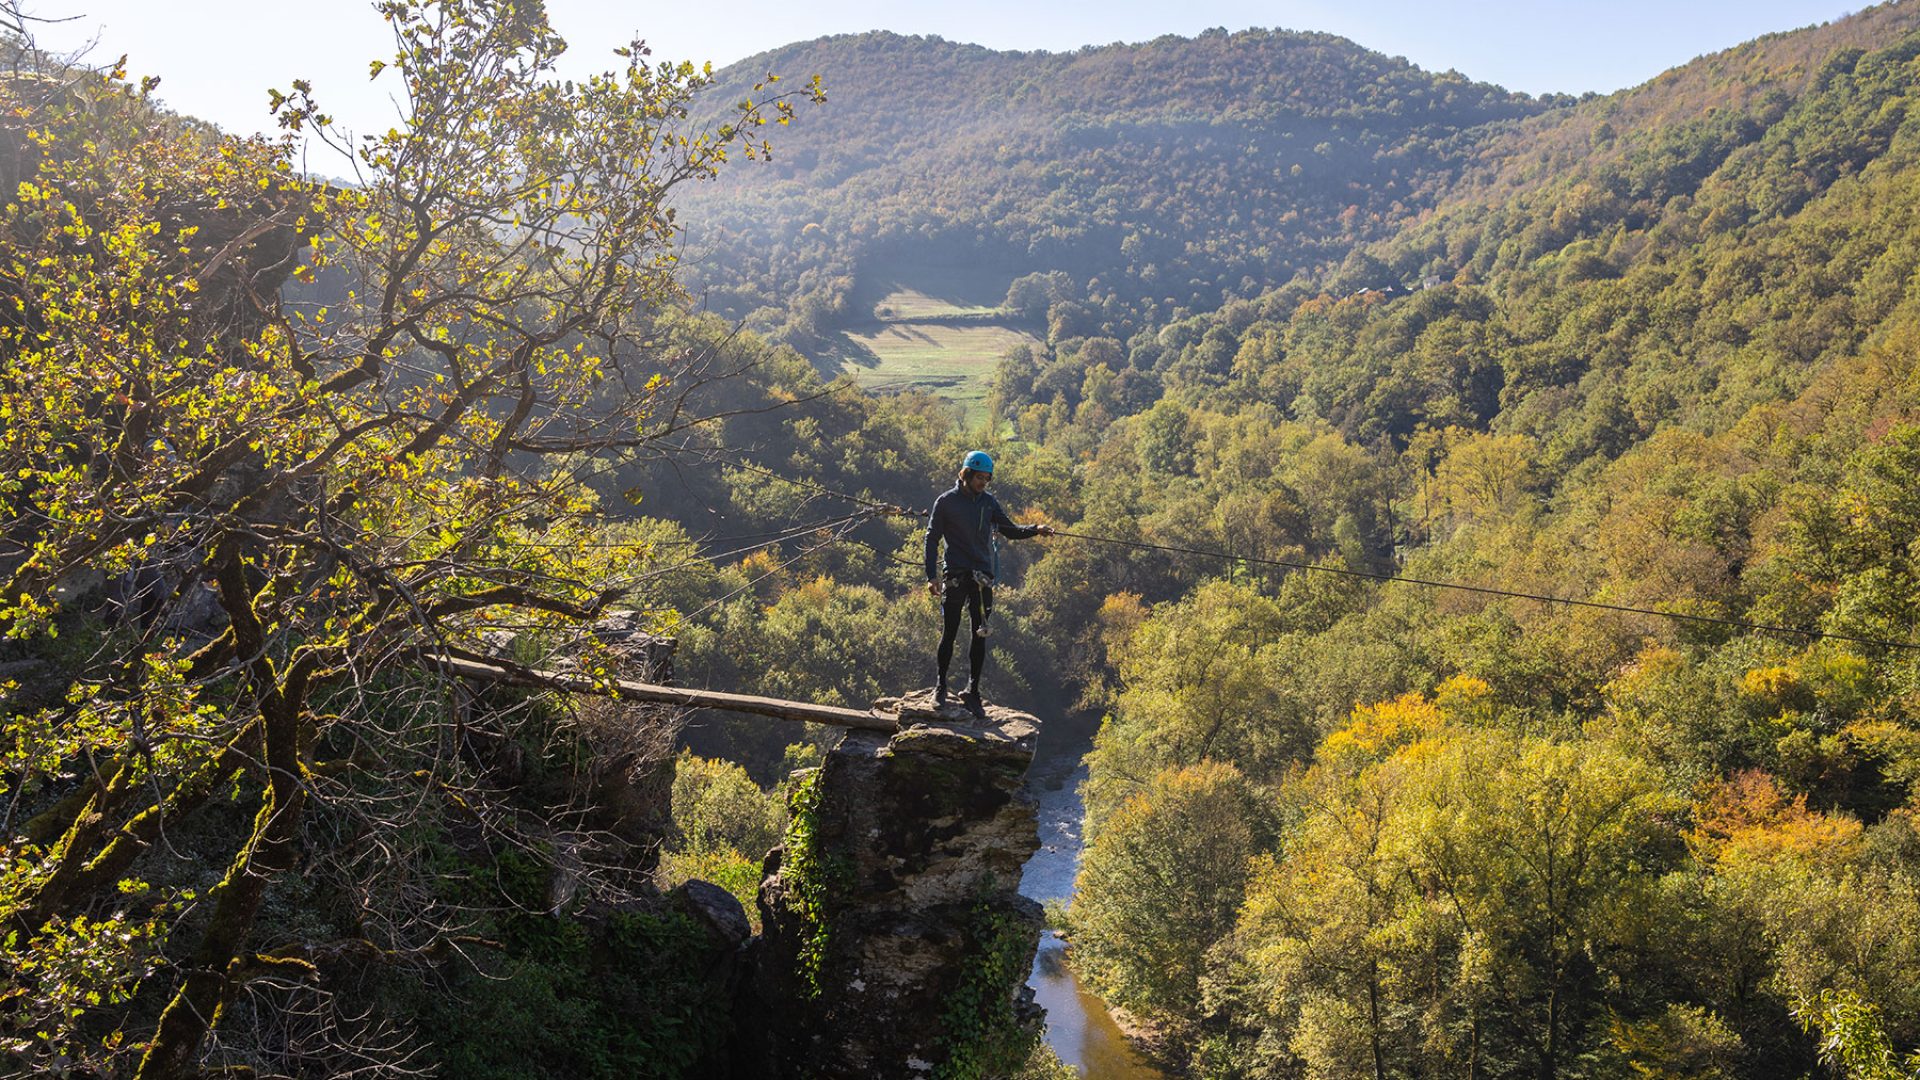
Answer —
624 690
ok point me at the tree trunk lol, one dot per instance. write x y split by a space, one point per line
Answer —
1473 1046
201 999
210 981
1550 1060
1373 1020
83 873
75 851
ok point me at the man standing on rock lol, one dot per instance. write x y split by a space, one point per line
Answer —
966 517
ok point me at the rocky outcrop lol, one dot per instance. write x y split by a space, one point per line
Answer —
894 941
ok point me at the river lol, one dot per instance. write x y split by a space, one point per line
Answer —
1078 1026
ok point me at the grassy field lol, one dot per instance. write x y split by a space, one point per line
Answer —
954 362
893 346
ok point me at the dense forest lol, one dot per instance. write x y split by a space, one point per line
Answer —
1294 302
1663 360
1160 177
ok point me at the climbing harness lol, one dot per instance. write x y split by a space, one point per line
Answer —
980 580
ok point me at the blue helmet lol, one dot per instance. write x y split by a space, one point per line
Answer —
978 461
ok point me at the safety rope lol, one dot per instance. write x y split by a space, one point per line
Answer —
880 508
838 533
1487 590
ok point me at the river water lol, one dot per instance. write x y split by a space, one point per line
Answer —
1078 1026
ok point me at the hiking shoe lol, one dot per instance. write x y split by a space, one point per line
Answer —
940 694
971 699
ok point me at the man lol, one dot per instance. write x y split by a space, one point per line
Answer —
966 516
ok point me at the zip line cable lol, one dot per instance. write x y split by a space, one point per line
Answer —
763 539
878 508
839 534
1485 590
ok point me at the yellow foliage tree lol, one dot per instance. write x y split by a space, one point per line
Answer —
360 471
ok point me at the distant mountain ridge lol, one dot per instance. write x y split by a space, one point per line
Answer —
1169 176
1748 85
1177 171
1243 75
1680 252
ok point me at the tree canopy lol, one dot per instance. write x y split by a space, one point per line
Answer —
310 436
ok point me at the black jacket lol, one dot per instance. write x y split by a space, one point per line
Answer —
967 524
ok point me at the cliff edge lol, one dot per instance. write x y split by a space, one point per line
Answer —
895 941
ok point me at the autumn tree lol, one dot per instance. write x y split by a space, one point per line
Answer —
1319 955
1160 884
1200 685
1541 854
298 497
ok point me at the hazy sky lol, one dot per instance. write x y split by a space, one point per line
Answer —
216 58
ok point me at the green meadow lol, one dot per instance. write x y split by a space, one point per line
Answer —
907 345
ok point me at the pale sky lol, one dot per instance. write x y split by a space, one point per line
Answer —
217 58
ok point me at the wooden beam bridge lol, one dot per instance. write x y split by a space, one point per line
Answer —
625 690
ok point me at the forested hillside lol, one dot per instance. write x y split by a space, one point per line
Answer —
1288 302
1675 373
1159 177
1664 360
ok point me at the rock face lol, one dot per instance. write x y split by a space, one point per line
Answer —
895 943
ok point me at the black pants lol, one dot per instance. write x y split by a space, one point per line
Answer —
976 595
